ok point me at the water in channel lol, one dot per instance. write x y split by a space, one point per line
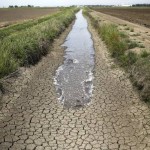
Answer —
73 79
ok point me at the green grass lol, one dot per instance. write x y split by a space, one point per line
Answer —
126 60
113 39
7 63
28 46
4 32
118 43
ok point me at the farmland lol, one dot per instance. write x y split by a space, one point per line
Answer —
65 83
12 15
24 44
136 15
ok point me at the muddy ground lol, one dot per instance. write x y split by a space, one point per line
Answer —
32 118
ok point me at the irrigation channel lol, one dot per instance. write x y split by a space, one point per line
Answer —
74 77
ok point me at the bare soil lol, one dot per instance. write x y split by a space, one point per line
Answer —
13 15
136 15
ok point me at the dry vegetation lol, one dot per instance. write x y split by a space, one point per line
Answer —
119 44
12 15
135 15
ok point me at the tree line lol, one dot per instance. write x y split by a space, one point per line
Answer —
141 5
16 6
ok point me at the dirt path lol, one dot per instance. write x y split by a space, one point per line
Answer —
31 118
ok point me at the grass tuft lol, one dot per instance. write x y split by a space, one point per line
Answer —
131 30
7 63
141 46
144 54
128 59
132 44
113 39
127 28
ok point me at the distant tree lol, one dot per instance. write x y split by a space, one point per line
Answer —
30 6
141 5
16 6
10 6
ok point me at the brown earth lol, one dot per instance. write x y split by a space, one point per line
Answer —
10 16
137 33
136 15
32 118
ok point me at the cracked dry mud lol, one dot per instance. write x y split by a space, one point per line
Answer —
31 118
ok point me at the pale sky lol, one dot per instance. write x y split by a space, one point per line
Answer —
5 3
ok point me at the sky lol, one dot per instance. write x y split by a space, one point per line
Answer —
6 3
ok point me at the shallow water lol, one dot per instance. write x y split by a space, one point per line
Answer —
73 79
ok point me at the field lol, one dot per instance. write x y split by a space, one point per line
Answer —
12 15
24 44
65 83
136 15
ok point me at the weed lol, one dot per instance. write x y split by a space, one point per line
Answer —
123 35
113 40
128 59
7 63
113 66
141 46
131 30
144 54
127 28
137 34
132 44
